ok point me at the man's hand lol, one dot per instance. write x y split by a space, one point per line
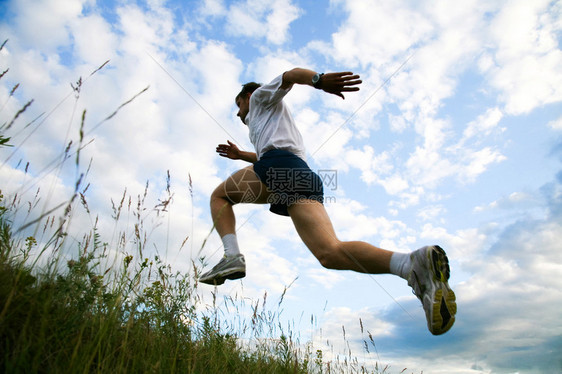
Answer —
336 83
229 150
232 152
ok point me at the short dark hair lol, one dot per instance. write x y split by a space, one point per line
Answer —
247 88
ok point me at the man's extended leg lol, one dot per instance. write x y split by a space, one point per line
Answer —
241 187
427 268
316 231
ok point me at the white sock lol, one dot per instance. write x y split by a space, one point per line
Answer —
230 245
400 264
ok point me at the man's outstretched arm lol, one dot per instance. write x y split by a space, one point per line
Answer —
231 151
334 83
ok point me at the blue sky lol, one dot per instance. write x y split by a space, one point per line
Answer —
462 147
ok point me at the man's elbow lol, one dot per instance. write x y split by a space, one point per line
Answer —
293 76
288 78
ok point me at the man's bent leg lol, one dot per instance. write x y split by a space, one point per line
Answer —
316 231
241 187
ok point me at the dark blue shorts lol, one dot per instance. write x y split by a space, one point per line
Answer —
289 178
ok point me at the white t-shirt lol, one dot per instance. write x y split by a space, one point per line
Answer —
270 122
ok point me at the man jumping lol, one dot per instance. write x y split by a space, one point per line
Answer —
280 151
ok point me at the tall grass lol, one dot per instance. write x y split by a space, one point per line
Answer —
138 318
102 307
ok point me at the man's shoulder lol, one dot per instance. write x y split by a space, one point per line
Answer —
270 93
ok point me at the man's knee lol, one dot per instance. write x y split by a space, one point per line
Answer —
218 192
331 256
219 196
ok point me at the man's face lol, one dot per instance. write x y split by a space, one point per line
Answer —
243 103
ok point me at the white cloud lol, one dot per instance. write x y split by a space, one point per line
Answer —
478 161
213 7
30 16
409 198
372 166
422 84
426 167
327 279
461 246
265 68
483 125
513 201
527 59
278 21
93 39
326 140
510 273
556 124
375 32
430 213
397 123
394 184
259 18
355 221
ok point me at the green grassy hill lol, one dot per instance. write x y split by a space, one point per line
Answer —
69 318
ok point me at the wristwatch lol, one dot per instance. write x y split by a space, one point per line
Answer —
316 80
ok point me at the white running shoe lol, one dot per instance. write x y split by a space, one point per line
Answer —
428 279
233 267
